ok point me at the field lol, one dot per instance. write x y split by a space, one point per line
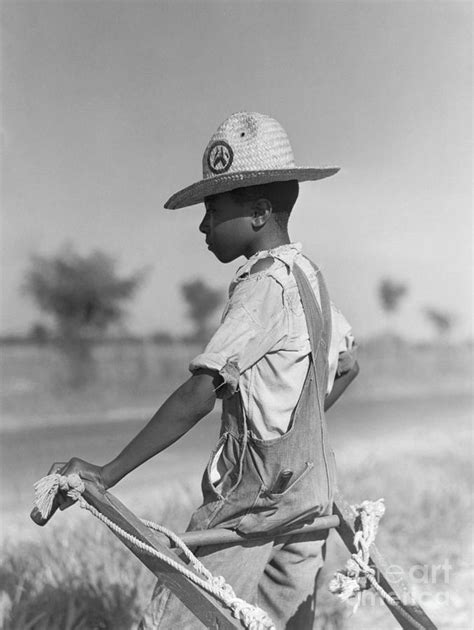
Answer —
402 433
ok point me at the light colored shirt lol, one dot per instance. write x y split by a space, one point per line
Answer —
262 345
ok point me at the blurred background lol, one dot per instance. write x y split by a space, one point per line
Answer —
106 297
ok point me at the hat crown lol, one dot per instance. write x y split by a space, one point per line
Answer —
247 141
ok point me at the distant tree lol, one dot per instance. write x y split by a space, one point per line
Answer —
202 301
162 337
441 321
83 295
39 333
390 293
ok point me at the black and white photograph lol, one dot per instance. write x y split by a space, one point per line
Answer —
236 315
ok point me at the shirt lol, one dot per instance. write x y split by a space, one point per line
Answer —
262 345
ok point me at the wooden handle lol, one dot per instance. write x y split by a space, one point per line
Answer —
35 513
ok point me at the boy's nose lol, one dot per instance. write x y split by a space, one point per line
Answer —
204 225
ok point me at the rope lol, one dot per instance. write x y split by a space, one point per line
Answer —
358 575
253 617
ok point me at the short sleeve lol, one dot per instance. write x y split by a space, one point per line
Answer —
255 322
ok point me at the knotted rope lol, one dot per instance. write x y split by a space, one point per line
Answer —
253 617
358 575
353 579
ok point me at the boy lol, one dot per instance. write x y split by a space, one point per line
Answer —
281 356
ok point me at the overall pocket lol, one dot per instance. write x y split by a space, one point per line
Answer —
275 494
271 510
208 486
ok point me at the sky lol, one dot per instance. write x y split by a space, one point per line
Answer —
108 106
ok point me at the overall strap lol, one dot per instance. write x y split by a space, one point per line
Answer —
313 312
325 305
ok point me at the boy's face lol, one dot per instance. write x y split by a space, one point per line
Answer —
228 227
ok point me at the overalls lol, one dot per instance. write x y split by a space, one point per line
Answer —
250 497
269 485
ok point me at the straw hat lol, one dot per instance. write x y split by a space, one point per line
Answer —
247 149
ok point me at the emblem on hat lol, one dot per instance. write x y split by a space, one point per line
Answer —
220 157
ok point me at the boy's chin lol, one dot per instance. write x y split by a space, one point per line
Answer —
224 257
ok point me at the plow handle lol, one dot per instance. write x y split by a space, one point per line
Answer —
35 514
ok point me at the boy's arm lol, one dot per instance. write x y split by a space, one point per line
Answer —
182 410
340 385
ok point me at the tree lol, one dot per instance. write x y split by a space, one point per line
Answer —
39 333
440 320
390 293
83 295
202 301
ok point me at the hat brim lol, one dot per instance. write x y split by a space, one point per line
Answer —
196 193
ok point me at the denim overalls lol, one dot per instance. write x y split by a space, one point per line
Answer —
286 481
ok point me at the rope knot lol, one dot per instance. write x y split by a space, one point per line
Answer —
357 574
254 618
47 488
344 586
226 591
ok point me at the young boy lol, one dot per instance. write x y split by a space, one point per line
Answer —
281 356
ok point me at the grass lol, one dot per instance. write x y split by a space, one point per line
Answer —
80 577
80 581
426 529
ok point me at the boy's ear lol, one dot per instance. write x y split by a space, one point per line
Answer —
262 211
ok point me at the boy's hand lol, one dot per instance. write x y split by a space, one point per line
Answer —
340 385
87 471
346 360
